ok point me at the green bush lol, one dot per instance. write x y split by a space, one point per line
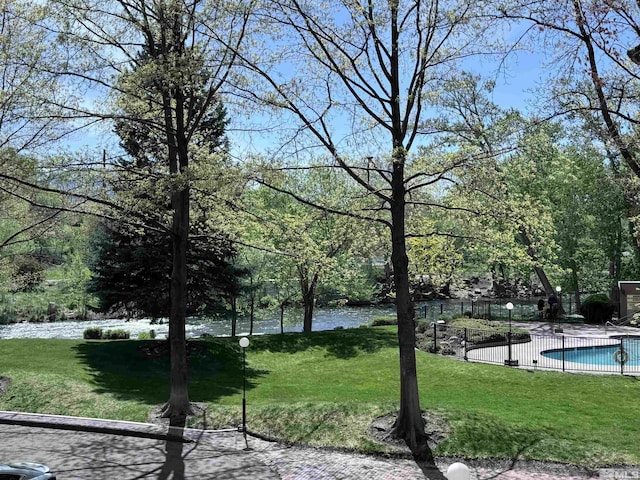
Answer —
267 302
92 334
596 298
383 321
6 317
150 335
423 327
477 323
115 335
597 308
500 338
29 273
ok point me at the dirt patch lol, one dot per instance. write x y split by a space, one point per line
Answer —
4 384
436 427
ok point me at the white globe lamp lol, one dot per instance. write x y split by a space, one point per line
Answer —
458 471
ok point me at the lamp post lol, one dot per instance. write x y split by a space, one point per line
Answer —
558 308
510 362
244 343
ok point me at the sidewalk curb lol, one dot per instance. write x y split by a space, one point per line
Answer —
111 427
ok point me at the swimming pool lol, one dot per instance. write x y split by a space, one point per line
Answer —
600 354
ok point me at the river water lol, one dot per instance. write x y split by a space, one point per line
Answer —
323 319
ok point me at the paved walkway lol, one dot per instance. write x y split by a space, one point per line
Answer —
78 448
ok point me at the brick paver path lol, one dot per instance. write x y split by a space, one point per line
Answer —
99 449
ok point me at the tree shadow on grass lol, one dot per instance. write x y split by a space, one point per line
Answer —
124 370
215 364
484 436
344 344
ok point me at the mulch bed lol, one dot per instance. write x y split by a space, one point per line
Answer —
436 428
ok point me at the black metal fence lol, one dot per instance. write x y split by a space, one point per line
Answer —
486 309
618 354
524 309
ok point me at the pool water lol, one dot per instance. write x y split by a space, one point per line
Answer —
599 355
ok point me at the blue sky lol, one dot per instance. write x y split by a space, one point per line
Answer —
514 84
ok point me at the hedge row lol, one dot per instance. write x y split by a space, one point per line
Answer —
99 334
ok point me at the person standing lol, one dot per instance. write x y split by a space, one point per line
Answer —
553 305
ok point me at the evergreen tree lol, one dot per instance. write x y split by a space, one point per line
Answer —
133 271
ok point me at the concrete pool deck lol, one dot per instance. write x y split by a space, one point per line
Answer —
543 338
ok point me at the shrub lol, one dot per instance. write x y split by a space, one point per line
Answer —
493 338
6 317
92 334
500 338
267 302
115 335
29 273
384 320
431 348
423 327
597 309
447 351
151 335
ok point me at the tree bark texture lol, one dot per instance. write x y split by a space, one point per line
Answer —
542 276
282 318
308 298
409 424
178 404
173 107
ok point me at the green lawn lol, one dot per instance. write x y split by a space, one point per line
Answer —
325 388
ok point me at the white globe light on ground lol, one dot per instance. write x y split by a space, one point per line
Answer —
458 471
509 307
244 342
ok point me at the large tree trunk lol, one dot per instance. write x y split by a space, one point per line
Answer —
409 424
282 317
308 300
307 321
308 287
178 404
546 284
